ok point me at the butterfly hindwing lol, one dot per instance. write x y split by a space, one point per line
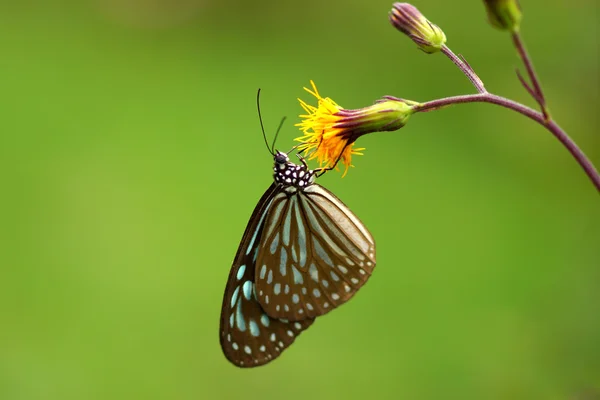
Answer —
314 255
249 337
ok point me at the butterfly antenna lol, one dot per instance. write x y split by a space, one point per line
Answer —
277 134
262 126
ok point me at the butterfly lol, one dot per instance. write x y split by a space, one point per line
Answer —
303 254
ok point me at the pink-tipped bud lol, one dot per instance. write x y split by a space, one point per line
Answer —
408 20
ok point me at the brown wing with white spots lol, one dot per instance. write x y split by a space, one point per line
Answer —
315 256
248 336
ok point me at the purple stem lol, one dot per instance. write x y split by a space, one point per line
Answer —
465 68
520 46
538 117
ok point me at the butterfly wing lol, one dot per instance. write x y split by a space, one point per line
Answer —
249 337
315 255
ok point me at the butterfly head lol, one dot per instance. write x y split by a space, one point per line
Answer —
291 175
281 159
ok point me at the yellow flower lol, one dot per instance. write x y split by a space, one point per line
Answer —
330 130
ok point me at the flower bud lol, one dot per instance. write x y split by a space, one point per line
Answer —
504 14
408 20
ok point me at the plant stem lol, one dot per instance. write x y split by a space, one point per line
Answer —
520 46
538 117
465 68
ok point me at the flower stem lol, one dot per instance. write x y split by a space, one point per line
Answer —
538 117
465 68
539 95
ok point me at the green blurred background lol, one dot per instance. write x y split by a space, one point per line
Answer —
131 159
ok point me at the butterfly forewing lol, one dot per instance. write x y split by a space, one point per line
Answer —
315 254
249 337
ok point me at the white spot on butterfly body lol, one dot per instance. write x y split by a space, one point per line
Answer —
270 277
262 348
326 305
343 269
240 272
298 280
264 319
247 288
235 346
283 264
325 283
304 290
335 296
334 276
274 244
346 288
229 337
267 299
254 328
277 288
272 337
235 296
354 280
247 350
290 333
314 273
309 306
286 307
286 290
297 325
239 317
362 271
295 298
316 292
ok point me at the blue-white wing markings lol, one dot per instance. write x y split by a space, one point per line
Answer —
338 224
278 203
352 266
325 255
281 257
319 219
351 270
341 216
248 336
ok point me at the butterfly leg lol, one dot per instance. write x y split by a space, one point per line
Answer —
321 171
302 160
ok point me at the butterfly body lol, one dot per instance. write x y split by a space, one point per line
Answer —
303 254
